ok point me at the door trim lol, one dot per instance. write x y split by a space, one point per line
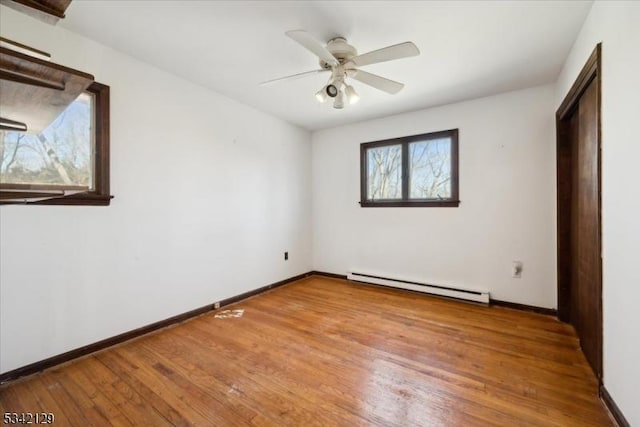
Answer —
591 71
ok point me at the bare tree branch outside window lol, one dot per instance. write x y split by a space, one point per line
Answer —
385 173
61 155
430 169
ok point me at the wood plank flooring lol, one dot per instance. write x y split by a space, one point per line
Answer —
327 352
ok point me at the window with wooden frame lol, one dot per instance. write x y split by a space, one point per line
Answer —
412 171
65 164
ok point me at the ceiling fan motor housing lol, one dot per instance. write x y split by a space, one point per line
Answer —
341 50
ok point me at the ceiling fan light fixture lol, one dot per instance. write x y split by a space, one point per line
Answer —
321 95
352 95
339 101
332 90
343 61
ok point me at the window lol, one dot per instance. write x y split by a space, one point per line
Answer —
419 170
67 163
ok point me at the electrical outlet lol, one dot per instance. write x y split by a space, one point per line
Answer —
516 269
286 256
216 305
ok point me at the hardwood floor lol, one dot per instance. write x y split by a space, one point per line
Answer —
326 352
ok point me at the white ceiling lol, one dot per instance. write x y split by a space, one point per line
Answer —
469 49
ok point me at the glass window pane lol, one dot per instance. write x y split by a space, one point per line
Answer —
384 173
430 169
62 155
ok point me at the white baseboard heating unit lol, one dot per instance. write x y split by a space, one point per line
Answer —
445 291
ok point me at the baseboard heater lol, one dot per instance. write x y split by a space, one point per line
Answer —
445 291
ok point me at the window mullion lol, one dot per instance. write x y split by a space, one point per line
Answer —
405 170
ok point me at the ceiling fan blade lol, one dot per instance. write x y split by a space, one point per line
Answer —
377 82
389 53
307 41
294 76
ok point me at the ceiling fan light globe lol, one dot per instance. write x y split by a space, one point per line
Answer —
352 95
339 101
321 95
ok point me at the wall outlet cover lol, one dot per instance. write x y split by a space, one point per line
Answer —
516 269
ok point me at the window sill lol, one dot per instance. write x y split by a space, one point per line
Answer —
408 204
70 200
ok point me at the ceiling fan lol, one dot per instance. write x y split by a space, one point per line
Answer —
342 61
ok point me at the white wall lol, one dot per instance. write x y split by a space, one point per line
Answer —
616 25
209 193
507 189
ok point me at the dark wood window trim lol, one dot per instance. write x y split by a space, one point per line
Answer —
100 195
49 11
404 142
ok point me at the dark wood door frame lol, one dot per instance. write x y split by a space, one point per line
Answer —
590 72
